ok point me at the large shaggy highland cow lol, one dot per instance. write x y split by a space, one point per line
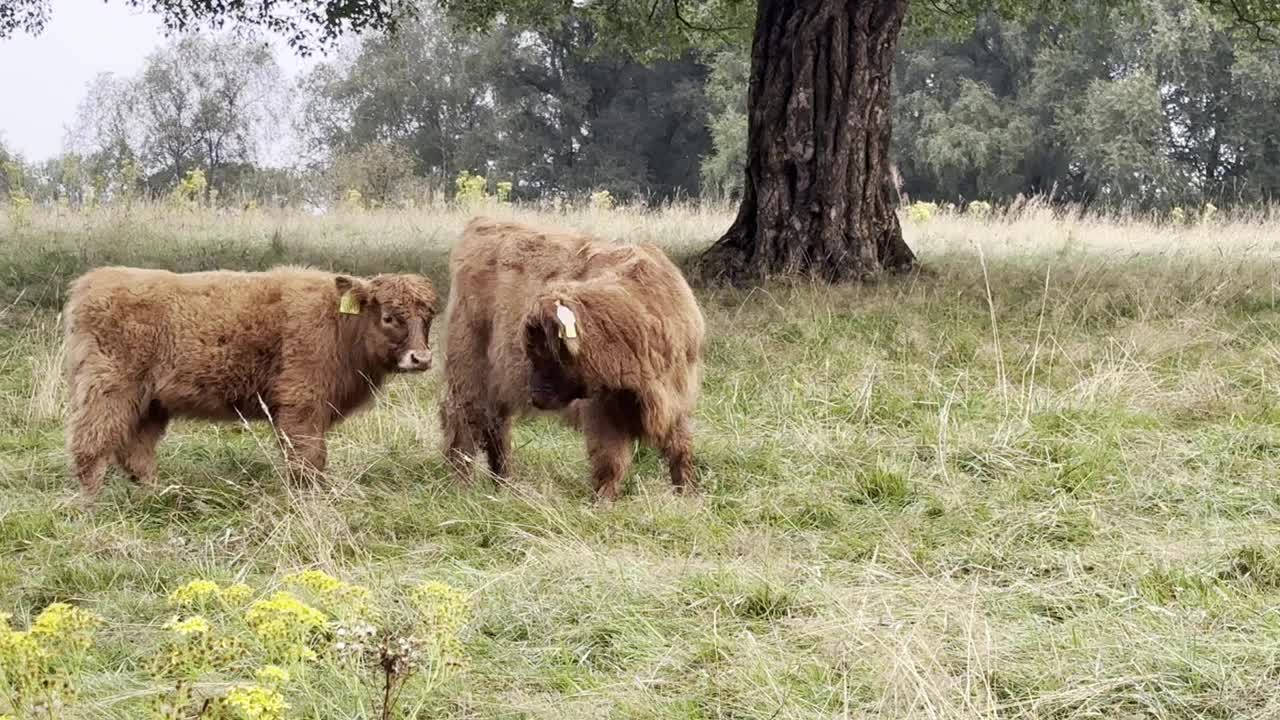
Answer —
300 347
607 335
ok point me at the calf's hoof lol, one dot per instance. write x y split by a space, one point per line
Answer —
607 495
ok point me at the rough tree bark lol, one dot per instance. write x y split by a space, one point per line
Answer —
818 199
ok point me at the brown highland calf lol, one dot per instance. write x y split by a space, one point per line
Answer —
608 336
300 347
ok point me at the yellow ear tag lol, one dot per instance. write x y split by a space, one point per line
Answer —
568 321
348 305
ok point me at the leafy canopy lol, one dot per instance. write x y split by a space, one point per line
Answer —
306 24
649 27
644 28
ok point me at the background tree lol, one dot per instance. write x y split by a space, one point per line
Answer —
960 131
8 159
14 173
727 96
377 172
566 103
202 103
1149 106
426 89
543 109
306 24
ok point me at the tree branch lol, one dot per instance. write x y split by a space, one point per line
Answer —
1260 19
675 7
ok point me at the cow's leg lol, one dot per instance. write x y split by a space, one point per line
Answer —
104 414
467 375
301 430
609 449
497 445
677 448
138 457
460 430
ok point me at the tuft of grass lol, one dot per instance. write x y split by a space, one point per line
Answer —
880 486
1256 566
744 597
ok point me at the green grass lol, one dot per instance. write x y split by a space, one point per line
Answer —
1036 482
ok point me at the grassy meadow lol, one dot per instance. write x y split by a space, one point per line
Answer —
1037 481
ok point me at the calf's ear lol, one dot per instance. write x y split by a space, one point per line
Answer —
353 294
560 325
425 293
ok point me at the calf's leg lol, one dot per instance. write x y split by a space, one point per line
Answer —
609 449
677 448
462 412
302 431
460 431
497 446
138 457
104 416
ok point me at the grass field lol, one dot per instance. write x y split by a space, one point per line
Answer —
1039 481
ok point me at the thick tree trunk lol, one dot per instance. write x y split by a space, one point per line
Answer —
818 199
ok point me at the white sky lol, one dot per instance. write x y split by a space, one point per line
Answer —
43 78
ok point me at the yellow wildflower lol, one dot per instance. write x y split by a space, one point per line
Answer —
443 608
194 625
341 598
36 665
235 595
921 212
442 611
272 676
20 654
195 647
65 627
194 593
315 580
253 702
602 200
285 625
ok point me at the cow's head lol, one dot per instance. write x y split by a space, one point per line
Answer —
552 342
395 312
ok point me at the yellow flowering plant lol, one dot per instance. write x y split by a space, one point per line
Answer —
471 189
195 594
272 676
248 702
442 611
208 595
38 665
922 212
341 599
285 627
235 595
979 209
232 653
192 648
602 200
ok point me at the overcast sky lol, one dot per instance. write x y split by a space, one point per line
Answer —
43 78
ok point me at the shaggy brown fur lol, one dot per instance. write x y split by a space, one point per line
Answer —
633 372
144 346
